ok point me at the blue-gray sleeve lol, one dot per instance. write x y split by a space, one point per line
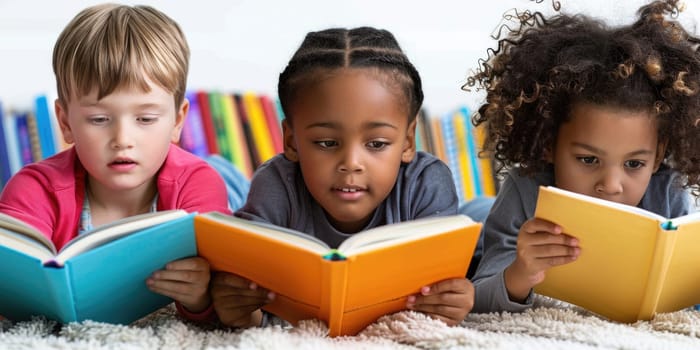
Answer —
434 192
500 232
268 198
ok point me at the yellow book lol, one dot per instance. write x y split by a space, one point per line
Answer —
369 275
633 263
261 133
488 181
463 161
235 136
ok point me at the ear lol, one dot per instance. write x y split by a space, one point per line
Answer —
409 146
290 145
660 155
62 117
180 117
549 154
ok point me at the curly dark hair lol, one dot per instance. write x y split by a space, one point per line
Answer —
546 65
363 47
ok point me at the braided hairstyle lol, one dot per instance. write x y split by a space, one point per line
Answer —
545 66
324 51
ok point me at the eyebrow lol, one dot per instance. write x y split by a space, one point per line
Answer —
597 150
370 125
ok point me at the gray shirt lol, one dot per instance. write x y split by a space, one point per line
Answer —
278 195
516 203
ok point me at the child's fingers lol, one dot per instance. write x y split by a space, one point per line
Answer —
449 314
193 264
231 280
536 225
188 276
553 251
452 285
218 289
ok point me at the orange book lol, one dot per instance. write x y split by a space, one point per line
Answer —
369 275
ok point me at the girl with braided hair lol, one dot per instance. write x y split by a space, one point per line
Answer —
571 102
350 99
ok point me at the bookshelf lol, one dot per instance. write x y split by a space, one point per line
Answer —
245 129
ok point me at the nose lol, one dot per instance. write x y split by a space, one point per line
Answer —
610 183
121 135
351 161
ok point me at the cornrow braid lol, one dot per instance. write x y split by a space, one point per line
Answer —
362 47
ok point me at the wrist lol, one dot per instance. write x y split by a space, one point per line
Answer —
516 283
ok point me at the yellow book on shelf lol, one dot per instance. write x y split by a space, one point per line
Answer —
437 139
235 136
369 275
488 181
633 263
463 160
261 133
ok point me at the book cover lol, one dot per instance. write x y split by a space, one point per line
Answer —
645 262
99 276
207 122
369 275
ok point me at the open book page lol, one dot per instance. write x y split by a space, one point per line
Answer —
114 230
11 224
607 203
388 235
280 233
25 244
685 219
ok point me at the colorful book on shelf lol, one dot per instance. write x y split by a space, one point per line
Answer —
34 141
449 143
369 275
235 136
99 275
259 127
5 168
23 139
633 263
436 131
45 127
463 168
217 116
273 123
193 138
472 151
247 131
485 163
207 122
9 122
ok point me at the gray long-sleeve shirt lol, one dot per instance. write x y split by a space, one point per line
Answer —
515 204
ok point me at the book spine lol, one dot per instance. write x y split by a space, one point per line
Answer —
663 251
193 136
62 294
472 151
333 288
5 169
9 122
45 128
239 148
258 125
207 122
23 140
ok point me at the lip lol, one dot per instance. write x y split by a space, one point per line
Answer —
122 164
349 192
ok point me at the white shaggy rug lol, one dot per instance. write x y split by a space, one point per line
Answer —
550 325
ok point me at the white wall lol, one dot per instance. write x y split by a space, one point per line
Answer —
244 44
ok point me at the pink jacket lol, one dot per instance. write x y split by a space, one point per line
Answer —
49 194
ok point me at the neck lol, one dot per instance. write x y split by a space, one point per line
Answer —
119 204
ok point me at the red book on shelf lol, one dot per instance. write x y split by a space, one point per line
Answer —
273 123
207 122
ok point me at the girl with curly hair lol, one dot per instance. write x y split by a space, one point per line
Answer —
610 112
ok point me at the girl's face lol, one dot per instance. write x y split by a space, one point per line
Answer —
607 153
349 133
122 139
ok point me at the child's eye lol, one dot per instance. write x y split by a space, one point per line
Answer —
588 160
147 119
98 119
634 164
326 143
376 145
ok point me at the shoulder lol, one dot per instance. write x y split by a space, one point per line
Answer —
519 192
276 170
665 194
424 164
56 173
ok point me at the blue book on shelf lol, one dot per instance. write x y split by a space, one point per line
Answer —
473 151
450 143
24 140
5 168
47 135
9 123
193 137
100 275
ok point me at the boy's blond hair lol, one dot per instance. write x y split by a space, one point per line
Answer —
112 46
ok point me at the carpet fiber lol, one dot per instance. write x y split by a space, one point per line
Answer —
550 325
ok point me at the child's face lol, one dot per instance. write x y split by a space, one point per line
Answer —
607 153
350 134
123 139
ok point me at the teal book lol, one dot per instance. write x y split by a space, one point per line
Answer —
45 128
99 275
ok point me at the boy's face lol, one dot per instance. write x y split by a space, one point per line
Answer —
607 153
350 134
123 139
